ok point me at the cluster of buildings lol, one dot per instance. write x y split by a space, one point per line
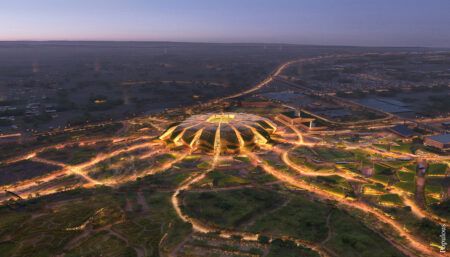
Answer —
438 141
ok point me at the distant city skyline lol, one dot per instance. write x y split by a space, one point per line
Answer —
322 22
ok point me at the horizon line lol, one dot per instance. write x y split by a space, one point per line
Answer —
218 42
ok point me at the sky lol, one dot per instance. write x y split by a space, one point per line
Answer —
324 22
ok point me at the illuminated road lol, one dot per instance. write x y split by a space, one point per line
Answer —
266 81
305 171
66 170
413 241
271 77
200 227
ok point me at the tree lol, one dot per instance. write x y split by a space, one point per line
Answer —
263 239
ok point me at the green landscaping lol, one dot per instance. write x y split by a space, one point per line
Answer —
437 169
398 146
300 218
334 184
406 176
225 178
391 199
409 187
229 209
280 248
325 153
102 244
316 166
333 154
304 219
402 147
50 225
376 189
72 155
442 209
353 239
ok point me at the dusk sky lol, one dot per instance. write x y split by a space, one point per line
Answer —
328 22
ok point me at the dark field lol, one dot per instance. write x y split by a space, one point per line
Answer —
23 170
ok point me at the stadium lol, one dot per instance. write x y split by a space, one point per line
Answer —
227 133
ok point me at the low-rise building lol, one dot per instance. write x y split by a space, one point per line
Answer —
294 118
402 131
291 117
441 142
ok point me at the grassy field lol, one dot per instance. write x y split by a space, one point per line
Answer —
49 225
406 181
406 176
398 146
383 174
229 209
228 176
442 209
74 154
334 184
167 179
22 170
390 200
319 167
333 154
402 147
281 248
437 169
352 239
409 187
224 179
374 189
102 244
325 153
48 233
304 219
300 218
